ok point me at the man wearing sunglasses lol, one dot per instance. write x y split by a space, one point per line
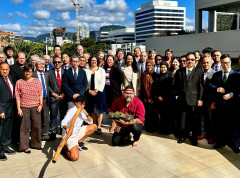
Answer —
56 96
188 90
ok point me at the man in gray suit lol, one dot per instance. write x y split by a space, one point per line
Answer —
206 112
56 96
188 89
44 79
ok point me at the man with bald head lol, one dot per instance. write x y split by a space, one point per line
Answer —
80 50
3 57
16 70
6 110
48 66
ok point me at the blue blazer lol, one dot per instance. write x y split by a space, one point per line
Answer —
72 86
50 67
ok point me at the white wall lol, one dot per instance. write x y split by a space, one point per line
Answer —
227 42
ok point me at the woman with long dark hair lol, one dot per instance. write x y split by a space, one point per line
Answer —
130 75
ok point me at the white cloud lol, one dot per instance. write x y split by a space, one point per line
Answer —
10 16
60 5
16 2
131 25
96 26
190 28
23 15
42 14
130 14
113 5
11 27
190 21
65 16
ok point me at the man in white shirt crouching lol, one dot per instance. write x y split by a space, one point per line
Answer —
80 132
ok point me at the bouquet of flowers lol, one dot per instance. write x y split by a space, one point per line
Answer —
118 115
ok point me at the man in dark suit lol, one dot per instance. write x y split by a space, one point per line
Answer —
16 70
120 58
223 84
66 62
74 81
206 113
44 78
6 110
188 90
56 95
216 58
48 66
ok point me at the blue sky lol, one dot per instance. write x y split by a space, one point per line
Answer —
34 17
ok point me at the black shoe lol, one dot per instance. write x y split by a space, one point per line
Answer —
52 137
218 145
9 151
194 142
3 157
181 140
82 147
236 150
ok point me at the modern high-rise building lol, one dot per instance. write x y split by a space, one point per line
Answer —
158 16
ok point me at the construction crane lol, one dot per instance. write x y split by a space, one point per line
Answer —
77 5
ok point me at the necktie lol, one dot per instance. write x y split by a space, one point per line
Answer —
216 68
59 79
75 74
9 86
65 67
158 69
46 68
188 74
43 86
10 62
225 77
119 65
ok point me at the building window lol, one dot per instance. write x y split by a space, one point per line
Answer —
159 14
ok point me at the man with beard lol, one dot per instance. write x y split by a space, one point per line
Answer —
128 104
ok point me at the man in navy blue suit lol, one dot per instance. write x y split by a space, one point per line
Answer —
48 66
74 82
223 84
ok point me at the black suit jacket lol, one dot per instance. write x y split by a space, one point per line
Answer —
53 85
47 81
191 90
7 103
16 72
115 81
208 94
230 86
72 86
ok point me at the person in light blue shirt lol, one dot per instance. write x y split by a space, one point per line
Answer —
79 132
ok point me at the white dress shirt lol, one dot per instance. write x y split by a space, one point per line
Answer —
39 77
59 73
78 123
9 81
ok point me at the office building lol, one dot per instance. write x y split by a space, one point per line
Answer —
155 17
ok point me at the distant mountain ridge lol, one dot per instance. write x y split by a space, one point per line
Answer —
42 37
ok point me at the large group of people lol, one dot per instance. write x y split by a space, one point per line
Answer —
195 96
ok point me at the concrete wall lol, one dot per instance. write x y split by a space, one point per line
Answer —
227 42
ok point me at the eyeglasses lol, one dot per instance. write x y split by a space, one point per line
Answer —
225 63
190 59
28 71
57 62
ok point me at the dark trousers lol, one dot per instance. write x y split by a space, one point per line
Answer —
56 107
118 138
44 118
6 132
30 114
189 122
151 117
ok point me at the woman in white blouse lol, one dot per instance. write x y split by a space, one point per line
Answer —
130 75
95 91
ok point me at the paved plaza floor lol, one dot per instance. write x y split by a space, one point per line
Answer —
156 156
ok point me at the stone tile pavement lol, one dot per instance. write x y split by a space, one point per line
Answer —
156 156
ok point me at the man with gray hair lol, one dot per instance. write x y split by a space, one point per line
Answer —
33 60
44 79
3 57
48 66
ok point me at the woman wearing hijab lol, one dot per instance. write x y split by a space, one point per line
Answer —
164 98
147 80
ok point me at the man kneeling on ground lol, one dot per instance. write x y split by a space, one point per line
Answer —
80 132
128 104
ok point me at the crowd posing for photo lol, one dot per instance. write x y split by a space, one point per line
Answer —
194 96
